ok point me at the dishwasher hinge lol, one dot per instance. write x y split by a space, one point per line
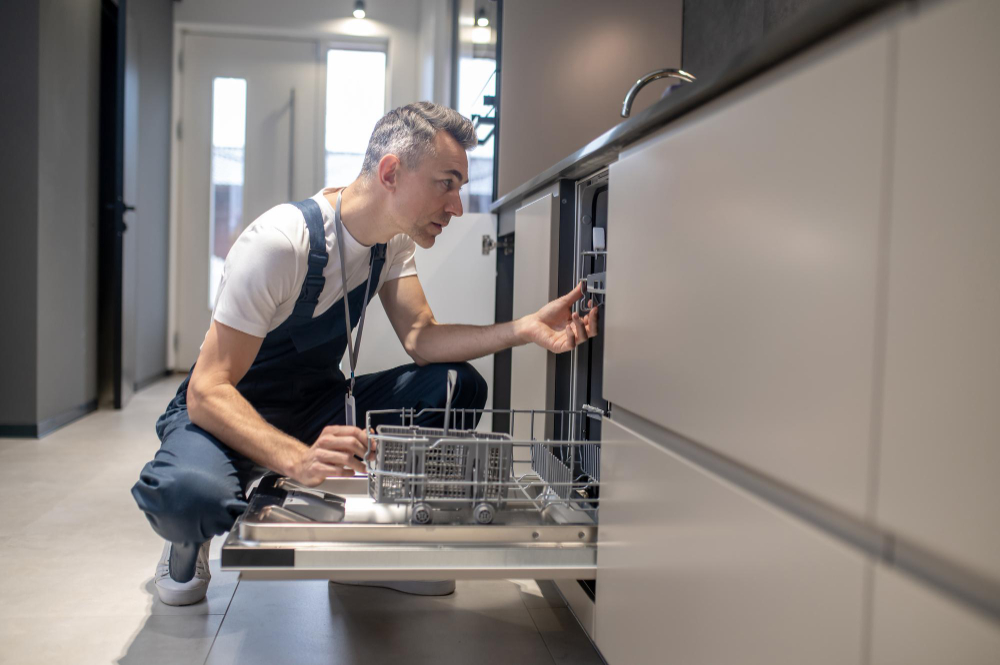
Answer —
489 244
595 412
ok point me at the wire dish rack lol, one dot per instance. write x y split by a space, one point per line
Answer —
458 474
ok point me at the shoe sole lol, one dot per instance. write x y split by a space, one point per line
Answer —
180 598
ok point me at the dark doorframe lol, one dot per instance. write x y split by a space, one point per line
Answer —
112 206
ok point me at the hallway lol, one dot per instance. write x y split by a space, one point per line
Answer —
78 557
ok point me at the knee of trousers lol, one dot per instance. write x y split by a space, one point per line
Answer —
187 505
471 388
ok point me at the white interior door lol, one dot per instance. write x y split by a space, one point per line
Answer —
250 140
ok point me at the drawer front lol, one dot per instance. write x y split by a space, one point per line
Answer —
692 570
940 459
742 287
914 625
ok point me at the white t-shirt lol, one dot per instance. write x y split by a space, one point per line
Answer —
267 265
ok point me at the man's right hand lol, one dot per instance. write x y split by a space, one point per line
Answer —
333 454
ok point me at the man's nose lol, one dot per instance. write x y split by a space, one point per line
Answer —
454 207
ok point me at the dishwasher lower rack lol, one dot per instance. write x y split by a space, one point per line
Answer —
544 520
475 475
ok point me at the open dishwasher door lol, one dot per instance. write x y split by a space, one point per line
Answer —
421 524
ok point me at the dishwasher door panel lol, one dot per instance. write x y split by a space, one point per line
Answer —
336 531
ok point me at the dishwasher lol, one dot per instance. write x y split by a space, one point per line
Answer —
456 502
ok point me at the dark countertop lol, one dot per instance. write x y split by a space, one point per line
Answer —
784 43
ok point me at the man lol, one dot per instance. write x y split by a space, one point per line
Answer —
267 381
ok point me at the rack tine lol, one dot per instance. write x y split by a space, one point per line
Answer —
452 379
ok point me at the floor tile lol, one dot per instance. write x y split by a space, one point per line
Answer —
268 621
94 578
564 637
107 639
169 640
539 593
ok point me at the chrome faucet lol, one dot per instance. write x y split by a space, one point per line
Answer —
680 74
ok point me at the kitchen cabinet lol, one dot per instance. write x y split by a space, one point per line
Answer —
914 625
532 372
742 282
693 570
940 458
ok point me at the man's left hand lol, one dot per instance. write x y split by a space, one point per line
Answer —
557 327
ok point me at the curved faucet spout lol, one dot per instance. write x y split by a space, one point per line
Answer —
679 74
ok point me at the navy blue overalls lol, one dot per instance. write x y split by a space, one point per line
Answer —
195 486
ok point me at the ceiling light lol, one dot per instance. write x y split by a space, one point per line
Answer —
481 19
359 9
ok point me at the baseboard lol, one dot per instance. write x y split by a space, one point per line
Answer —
49 425
18 431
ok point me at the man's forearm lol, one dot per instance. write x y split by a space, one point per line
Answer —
223 412
441 342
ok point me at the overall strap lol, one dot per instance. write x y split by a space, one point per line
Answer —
318 258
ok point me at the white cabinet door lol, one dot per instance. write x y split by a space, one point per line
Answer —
460 285
692 570
742 287
940 451
536 229
913 625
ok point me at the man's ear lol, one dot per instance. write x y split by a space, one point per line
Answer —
388 172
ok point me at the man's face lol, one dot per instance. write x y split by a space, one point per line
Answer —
427 197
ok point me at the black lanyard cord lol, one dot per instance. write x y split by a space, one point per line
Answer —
353 352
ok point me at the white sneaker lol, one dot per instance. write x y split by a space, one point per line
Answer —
172 592
433 588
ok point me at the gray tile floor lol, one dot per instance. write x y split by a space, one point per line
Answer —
77 557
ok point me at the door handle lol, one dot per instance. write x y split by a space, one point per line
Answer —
125 207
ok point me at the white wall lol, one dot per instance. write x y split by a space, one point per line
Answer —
567 65
434 50
397 21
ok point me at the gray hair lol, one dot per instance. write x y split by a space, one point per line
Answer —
408 132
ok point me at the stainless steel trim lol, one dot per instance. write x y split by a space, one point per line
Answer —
976 591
